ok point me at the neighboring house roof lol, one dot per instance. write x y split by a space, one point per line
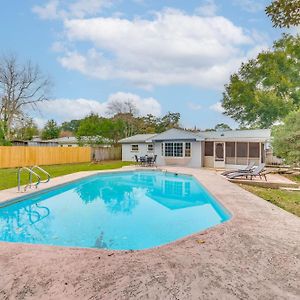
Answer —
84 139
174 134
237 135
138 138
65 140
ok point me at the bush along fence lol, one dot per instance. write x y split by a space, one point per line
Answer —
19 156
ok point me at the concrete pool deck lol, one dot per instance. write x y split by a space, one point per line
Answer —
255 255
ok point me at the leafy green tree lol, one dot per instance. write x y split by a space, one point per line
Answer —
222 127
146 124
71 126
266 89
94 129
97 130
284 13
170 120
3 141
286 138
51 130
27 130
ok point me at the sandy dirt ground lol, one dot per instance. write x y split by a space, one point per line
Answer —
255 255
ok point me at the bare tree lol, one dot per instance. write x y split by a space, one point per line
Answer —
21 86
116 107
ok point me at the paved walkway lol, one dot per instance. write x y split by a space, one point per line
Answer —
256 255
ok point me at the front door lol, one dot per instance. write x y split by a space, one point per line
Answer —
219 155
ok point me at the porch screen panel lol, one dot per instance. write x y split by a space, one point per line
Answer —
254 153
242 153
230 153
209 149
262 153
254 150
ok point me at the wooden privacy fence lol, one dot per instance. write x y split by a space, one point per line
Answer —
18 156
106 153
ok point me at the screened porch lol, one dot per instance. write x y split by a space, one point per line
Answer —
223 154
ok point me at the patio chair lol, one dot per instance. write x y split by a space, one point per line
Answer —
258 171
152 160
143 160
137 160
246 169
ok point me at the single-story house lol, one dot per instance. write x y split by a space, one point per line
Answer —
214 149
66 141
35 142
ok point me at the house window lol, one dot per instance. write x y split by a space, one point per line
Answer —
178 149
169 149
174 149
135 148
209 149
187 149
162 149
150 148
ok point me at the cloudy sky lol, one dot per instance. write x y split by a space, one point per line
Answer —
163 55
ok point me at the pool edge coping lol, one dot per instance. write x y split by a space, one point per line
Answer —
119 170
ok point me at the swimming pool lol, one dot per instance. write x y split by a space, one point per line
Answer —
121 210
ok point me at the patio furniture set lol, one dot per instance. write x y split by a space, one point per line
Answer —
146 161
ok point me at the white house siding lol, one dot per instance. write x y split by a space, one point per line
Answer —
198 140
129 155
194 161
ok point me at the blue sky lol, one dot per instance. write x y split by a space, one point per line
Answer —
163 55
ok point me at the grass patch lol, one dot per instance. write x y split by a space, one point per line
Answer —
295 178
8 177
288 200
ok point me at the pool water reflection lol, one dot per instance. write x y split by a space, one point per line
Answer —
124 210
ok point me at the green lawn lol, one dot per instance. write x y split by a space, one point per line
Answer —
8 177
295 178
290 201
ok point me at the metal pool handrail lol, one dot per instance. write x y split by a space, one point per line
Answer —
43 171
30 174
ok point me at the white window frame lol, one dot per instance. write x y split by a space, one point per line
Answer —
134 150
190 149
175 146
152 146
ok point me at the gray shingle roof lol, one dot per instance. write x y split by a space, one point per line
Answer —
180 134
254 134
138 138
177 134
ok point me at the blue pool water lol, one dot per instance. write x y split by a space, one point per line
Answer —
128 210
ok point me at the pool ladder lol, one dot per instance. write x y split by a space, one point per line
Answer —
31 172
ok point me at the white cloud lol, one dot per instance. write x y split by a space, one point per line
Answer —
60 9
68 109
144 105
217 107
194 106
251 6
173 48
208 8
